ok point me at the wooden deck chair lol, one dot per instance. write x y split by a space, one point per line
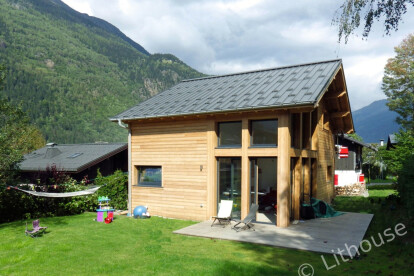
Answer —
37 229
247 221
224 213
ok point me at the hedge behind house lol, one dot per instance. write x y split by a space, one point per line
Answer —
15 205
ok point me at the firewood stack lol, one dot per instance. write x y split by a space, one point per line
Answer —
356 189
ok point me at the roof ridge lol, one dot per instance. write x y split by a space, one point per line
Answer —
263 70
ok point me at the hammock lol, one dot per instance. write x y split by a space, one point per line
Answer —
69 194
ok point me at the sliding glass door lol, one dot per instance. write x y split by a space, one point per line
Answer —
229 183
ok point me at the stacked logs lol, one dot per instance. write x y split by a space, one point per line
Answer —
356 189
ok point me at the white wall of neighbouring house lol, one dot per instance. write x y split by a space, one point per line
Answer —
347 177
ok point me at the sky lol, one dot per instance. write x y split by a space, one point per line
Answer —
229 36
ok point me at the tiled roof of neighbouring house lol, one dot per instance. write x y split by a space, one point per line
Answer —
287 86
70 157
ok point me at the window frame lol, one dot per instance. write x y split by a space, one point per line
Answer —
148 184
232 145
263 145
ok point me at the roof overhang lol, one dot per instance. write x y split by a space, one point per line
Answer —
336 103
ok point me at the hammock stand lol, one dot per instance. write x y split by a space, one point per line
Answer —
68 194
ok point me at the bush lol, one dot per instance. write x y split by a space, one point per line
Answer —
16 205
405 185
115 187
382 187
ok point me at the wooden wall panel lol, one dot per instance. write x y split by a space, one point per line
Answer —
182 151
326 157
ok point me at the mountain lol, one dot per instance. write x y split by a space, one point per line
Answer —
70 71
375 121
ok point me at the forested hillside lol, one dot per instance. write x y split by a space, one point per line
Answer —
71 71
375 121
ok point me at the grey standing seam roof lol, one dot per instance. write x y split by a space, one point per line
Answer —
70 157
359 142
288 86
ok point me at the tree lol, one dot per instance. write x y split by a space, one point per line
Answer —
398 83
356 137
17 136
404 149
349 15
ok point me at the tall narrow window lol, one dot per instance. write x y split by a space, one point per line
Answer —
264 133
229 134
150 176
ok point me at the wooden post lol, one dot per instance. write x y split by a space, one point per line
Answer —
212 170
283 171
245 185
314 175
297 184
306 178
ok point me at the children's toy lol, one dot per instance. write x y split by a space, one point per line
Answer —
141 212
104 213
37 229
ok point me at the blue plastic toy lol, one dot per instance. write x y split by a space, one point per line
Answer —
139 211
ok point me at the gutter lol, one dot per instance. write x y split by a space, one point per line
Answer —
129 167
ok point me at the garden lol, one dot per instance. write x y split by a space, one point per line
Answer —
78 245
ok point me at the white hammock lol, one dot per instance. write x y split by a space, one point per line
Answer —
69 194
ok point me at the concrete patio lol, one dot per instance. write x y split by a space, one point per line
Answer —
318 235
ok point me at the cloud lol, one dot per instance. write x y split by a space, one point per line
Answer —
226 36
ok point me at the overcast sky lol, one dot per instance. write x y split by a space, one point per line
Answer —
220 36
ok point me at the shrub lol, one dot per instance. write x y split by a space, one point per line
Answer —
115 187
405 185
16 205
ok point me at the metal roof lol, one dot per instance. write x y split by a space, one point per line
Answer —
359 142
392 139
70 157
287 86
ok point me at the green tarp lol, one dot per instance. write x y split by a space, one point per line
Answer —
316 205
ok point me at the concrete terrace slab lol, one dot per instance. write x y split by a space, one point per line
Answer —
317 235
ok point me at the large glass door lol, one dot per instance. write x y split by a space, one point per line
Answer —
263 178
229 183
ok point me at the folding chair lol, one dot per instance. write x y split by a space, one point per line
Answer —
37 229
247 221
224 213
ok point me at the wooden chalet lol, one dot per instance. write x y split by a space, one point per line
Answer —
264 137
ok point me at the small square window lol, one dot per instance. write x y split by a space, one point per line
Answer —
149 176
229 134
264 133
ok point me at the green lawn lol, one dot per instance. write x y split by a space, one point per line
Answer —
77 245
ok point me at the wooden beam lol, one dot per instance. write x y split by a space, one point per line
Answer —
306 178
336 95
314 176
228 152
283 172
263 152
211 170
339 114
245 185
296 188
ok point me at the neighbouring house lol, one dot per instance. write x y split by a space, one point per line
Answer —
391 142
76 160
348 167
264 137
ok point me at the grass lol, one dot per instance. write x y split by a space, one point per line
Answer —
77 245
